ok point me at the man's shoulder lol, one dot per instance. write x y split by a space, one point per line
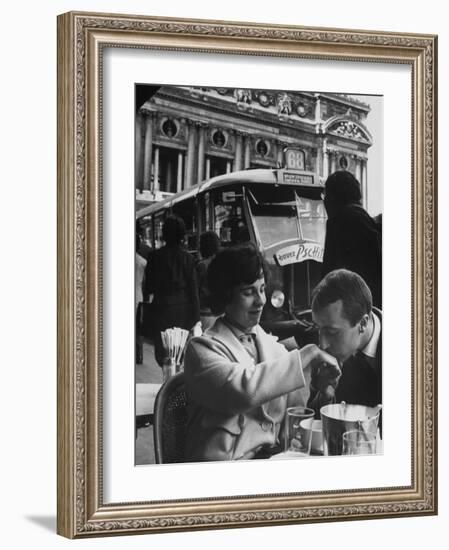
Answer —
186 256
356 212
349 215
157 252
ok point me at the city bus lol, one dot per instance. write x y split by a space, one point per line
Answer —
281 211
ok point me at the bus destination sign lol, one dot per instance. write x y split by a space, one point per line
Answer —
294 158
300 252
298 179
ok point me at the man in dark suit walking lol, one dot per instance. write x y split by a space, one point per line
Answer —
170 275
353 239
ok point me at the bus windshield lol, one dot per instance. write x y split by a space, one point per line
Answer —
276 227
301 219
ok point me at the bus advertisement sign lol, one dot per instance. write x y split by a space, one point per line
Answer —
300 252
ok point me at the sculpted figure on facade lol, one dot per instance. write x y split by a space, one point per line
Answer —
349 129
243 95
284 104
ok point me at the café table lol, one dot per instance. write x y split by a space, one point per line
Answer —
291 455
295 454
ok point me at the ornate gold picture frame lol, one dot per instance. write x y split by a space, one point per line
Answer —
83 510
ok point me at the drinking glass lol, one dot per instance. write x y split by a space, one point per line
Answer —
168 369
298 430
359 442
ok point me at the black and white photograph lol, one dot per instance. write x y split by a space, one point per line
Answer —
258 274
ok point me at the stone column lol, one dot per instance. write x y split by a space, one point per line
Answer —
247 151
190 157
358 171
363 184
207 168
319 157
148 154
156 169
280 157
238 151
139 151
228 166
317 108
325 159
201 130
333 156
179 181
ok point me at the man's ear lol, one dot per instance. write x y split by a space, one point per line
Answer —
363 324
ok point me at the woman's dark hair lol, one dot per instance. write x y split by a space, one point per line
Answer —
347 286
343 188
231 267
173 230
209 244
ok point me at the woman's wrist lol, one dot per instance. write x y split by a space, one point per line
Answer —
307 355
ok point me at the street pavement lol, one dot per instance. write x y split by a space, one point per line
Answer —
148 372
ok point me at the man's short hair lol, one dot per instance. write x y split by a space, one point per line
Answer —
231 267
209 244
173 230
343 188
347 286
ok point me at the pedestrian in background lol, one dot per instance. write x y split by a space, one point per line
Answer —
170 275
141 263
209 246
353 240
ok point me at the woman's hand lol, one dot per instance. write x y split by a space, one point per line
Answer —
325 369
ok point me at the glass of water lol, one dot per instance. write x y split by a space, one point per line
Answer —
298 430
359 442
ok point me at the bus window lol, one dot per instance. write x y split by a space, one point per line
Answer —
312 219
301 219
229 218
147 231
230 225
158 224
276 225
206 212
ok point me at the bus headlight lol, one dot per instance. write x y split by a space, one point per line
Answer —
277 298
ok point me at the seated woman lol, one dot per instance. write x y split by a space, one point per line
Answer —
239 379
